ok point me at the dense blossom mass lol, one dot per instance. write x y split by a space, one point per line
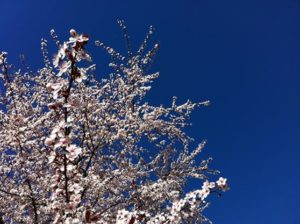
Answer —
79 149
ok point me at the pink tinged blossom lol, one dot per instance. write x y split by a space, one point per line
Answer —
50 140
73 152
204 193
76 198
51 157
64 141
64 67
49 86
71 207
76 188
60 55
82 38
77 41
54 88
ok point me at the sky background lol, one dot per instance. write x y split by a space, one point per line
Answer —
244 56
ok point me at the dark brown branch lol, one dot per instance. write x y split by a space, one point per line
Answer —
7 192
33 202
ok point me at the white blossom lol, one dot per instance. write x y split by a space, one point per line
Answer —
79 149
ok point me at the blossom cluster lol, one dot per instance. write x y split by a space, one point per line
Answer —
75 148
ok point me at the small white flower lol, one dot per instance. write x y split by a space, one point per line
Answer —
70 167
76 188
222 183
51 157
74 151
64 67
50 140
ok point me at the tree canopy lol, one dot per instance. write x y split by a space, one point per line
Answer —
76 148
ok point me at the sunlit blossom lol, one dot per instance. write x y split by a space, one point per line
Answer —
77 147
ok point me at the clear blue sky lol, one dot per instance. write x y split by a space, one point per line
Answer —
243 55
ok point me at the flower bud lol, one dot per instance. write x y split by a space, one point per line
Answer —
73 33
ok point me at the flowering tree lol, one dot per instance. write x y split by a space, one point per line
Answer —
76 149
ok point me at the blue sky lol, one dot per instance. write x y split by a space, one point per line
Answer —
242 55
